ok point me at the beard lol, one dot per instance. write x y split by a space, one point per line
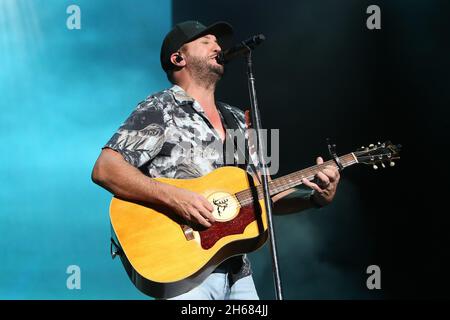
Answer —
204 72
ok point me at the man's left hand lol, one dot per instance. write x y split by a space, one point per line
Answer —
326 183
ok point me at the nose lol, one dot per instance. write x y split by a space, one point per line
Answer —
217 47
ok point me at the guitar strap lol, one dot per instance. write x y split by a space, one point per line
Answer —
252 144
243 156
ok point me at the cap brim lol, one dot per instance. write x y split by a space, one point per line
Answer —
223 32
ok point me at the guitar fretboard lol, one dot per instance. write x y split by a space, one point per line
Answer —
292 180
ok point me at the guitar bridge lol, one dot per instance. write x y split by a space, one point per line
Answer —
188 232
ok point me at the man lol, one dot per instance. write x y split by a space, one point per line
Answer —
153 140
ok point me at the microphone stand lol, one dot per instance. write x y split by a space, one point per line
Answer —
256 120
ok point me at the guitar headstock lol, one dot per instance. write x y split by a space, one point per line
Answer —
378 154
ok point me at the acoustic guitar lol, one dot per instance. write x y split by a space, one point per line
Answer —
165 256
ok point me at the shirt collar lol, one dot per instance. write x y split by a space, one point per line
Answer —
184 99
180 95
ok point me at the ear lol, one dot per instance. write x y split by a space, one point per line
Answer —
177 59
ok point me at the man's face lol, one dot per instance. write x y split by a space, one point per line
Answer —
201 56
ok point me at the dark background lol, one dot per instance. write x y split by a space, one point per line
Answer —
321 73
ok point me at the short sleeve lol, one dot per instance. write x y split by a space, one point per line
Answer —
140 138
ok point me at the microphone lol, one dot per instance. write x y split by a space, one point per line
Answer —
239 49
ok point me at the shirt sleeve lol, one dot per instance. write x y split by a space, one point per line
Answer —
140 138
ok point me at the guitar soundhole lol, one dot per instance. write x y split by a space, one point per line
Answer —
226 206
218 230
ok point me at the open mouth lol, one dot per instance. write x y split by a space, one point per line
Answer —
215 58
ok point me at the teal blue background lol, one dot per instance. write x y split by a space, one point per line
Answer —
63 94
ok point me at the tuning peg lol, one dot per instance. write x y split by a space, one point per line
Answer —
371 145
392 163
382 164
375 167
362 147
379 142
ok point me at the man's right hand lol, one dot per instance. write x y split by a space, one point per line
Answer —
191 206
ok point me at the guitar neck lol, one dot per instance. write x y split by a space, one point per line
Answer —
295 178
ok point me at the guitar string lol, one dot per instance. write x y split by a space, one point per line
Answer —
245 197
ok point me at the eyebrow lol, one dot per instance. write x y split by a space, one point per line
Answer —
209 38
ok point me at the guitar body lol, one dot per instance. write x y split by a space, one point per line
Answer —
164 257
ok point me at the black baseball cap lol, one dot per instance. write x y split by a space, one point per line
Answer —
188 31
